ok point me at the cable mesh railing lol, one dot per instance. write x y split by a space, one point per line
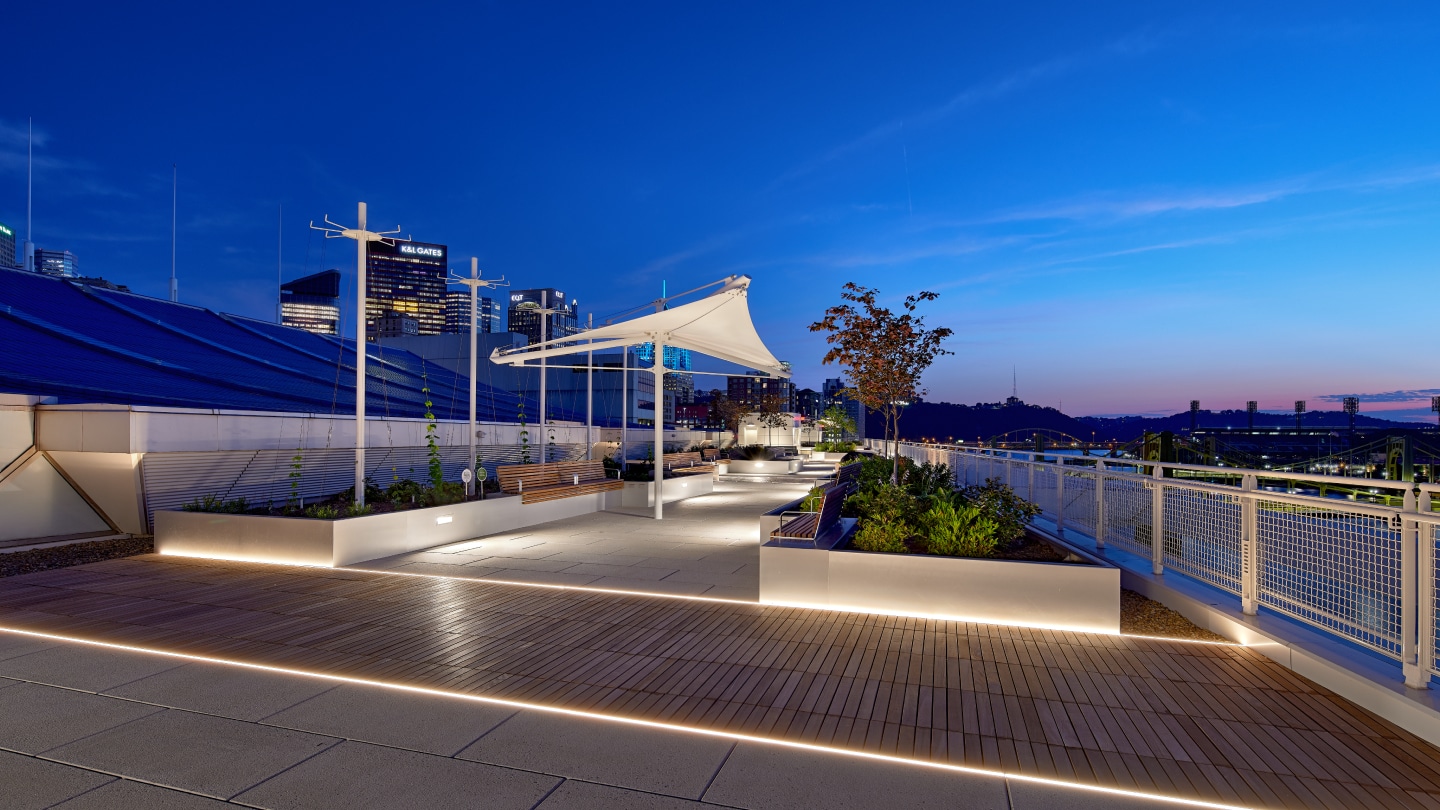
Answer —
1360 571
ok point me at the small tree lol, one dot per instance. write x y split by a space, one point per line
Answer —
884 354
727 412
772 414
837 422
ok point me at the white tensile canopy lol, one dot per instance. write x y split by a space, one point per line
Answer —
717 325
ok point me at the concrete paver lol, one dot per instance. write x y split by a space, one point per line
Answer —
26 782
584 796
616 754
92 670
36 718
122 794
208 755
428 723
234 692
357 775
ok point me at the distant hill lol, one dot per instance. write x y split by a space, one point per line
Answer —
945 420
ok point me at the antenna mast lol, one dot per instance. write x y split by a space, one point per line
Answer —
29 199
362 237
174 200
279 263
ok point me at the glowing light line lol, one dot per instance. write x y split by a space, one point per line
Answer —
731 735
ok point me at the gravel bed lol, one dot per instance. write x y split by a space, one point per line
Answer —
1140 616
43 559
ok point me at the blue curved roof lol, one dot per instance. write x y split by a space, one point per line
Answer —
87 344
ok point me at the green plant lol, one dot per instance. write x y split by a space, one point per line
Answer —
957 529
356 510
372 491
751 452
447 492
293 501
925 480
323 511
883 536
213 503
432 449
999 503
813 501
404 491
875 472
885 503
524 433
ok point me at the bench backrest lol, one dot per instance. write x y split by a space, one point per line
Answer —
830 507
709 453
531 476
675 459
847 472
566 471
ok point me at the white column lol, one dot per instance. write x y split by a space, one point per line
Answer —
1100 504
1415 669
659 370
360 245
474 314
1249 547
544 336
1059 495
1157 523
589 391
624 401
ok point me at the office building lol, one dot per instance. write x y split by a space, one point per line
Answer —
408 278
809 403
525 318
681 384
56 263
457 314
752 389
312 303
393 324
7 247
834 394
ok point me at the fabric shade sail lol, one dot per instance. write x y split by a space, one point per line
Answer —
717 325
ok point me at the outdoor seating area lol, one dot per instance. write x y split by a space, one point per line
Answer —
810 526
689 463
537 483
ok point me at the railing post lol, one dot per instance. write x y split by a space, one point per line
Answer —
1030 485
1059 495
1157 522
1416 671
1249 547
1100 505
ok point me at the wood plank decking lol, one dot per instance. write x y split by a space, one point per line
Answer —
1210 722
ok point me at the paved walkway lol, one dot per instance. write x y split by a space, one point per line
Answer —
1212 722
705 546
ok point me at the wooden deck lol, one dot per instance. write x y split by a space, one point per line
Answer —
1209 722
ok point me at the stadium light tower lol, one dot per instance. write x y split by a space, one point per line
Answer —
1352 407
1250 408
362 237
1435 406
474 282
1299 413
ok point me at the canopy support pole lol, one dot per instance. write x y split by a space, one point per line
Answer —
659 371
624 401
544 336
589 393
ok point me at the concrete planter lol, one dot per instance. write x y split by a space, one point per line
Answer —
827 456
642 493
773 467
1063 596
305 541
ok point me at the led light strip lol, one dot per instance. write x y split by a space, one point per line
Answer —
730 735
653 595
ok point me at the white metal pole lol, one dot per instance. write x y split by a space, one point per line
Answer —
544 336
659 370
29 200
589 392
279 262
174 208
624 400
474 314
360 360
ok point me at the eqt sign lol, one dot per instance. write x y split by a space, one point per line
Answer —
426 251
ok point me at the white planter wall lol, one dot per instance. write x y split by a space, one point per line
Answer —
642 494
304 541
1032 594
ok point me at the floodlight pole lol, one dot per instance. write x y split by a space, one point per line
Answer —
361 237
658 339
589 393
474 282
544 336
624 401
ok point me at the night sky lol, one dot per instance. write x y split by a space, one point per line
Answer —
1133 205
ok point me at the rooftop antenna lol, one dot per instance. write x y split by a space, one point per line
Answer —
174 199
279 263
1014 383
29 199
474 282
362 237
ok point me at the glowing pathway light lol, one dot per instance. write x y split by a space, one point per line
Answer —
361 237
717 325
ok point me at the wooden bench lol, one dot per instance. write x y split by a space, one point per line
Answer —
711 454
686 464
847 476
810 525
536 483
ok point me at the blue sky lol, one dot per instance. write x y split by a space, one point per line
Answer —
1133 205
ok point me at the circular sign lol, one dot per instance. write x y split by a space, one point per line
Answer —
481 474
465 475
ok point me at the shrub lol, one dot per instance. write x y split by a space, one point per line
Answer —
875 471
926 480
356 510
404 491
751 452
881 535
447 492
958 529
213 503
999 504
372 492
322 511
813 500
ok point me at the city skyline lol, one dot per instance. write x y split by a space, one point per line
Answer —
1135 208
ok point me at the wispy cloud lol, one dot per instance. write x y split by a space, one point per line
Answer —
1412 395
64 175
1129 46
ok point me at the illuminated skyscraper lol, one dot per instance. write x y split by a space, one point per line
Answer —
408 278
457 311
312 303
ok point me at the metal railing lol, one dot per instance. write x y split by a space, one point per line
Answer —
1361 571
